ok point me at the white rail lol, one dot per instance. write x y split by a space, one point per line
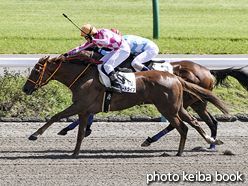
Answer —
207 62
21 64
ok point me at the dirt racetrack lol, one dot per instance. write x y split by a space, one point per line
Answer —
112 155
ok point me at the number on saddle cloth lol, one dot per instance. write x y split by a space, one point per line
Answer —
128 80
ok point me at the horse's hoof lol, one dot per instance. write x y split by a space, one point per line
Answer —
74 155
62 132
179 154
32 137
218 142
145 144
87 132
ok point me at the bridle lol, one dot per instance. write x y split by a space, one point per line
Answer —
39 83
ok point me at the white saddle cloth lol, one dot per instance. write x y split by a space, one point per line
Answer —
166 66
129 84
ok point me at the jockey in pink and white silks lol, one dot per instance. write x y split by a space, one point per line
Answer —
104 38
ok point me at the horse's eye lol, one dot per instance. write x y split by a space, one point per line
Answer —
37 72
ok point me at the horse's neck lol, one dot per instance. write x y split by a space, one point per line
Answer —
68 73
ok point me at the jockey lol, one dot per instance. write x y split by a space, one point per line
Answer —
143 49
107 39
104 51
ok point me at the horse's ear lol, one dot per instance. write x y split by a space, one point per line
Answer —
60 57
47 59
42 59
63 58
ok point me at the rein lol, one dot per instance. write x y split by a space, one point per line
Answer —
39 80
79 76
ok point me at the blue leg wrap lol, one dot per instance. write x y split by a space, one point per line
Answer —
74 124
90 120
211 145
160 134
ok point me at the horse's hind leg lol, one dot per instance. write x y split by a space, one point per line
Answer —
201 109
182 129
156 137
194 123
177 123
70 111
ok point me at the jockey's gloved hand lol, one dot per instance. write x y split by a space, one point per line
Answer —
96 49
90 37
65 54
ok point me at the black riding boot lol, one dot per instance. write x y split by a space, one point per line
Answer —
115 83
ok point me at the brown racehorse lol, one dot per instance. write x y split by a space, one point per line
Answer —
162 89
190 72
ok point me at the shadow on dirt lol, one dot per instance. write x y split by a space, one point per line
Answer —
92 154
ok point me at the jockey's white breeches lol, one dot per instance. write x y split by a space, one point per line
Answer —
150 52
115 57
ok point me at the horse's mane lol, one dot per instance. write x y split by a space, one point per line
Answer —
83 58
57 59
52 60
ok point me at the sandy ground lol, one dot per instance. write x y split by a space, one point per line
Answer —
112 155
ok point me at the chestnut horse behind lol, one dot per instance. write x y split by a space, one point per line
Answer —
162 89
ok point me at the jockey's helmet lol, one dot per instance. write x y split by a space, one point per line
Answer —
88 29
116 31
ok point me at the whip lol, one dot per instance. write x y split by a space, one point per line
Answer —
75 24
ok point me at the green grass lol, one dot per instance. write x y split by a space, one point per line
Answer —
186 27
55 97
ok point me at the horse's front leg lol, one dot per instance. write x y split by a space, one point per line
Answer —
70 111
83 118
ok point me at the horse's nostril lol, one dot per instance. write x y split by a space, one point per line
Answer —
24 90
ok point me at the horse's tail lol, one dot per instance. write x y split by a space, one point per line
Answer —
240 74
203 94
